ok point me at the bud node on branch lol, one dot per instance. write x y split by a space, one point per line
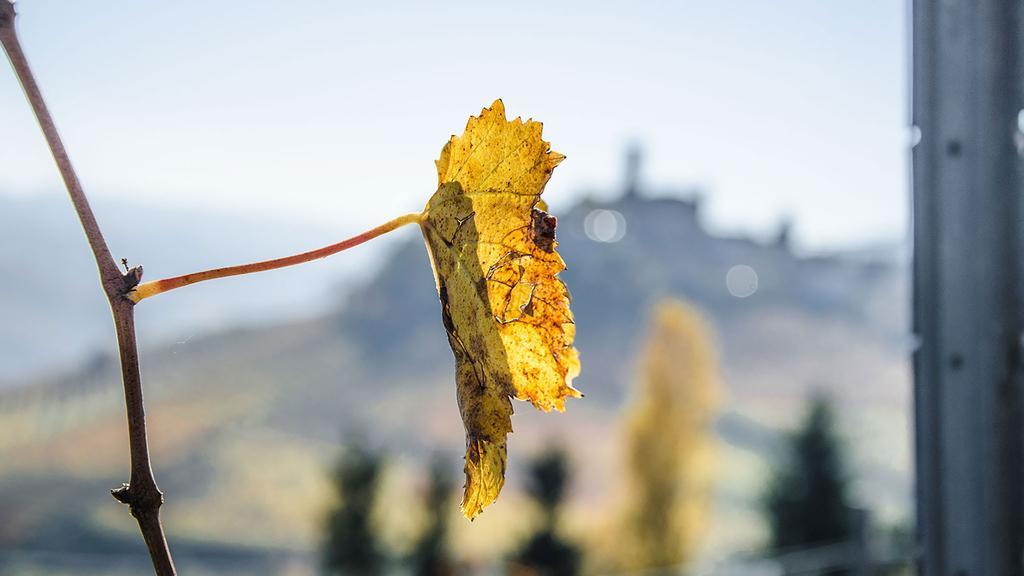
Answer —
144 499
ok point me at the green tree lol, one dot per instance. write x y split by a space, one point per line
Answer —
431 556
352 546
669 445
807 501
546 553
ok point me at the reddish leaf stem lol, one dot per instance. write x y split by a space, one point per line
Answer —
155 287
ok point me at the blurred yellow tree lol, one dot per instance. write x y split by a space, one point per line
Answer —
669 444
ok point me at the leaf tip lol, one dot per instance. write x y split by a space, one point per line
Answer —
497 108
485 475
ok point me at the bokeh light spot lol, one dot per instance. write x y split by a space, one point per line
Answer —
604 225
741 281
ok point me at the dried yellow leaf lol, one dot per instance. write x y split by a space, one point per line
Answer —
506 313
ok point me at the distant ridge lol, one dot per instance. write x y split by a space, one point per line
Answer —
55 314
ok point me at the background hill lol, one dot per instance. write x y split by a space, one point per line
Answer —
42 246
246 421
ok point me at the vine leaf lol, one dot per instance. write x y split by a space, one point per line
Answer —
492 248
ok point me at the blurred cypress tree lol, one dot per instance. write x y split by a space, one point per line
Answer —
669 448
546 553
352 546
807 501
431 556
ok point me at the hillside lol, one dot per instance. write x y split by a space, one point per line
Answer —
246 422
56 292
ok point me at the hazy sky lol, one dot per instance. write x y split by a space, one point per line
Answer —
333 112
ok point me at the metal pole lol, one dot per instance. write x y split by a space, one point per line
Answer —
968 296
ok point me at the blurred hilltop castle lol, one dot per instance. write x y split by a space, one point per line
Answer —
689 200
670 223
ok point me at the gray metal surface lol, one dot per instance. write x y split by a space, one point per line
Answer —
967 286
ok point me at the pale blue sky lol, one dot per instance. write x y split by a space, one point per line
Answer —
333 112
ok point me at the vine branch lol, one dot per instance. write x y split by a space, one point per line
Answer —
141 493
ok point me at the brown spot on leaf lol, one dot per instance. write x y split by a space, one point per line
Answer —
543 226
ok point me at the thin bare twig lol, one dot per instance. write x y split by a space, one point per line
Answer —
141 494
